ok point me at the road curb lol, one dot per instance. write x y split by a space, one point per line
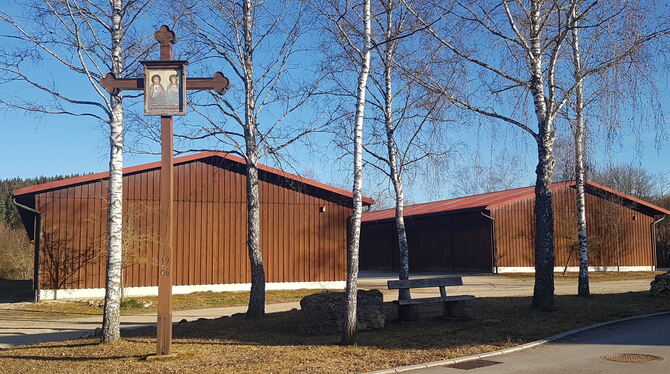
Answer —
402 369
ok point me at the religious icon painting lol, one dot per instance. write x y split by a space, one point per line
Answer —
164 88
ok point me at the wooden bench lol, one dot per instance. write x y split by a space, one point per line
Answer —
454 306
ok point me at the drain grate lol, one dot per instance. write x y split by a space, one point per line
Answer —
474 364
635 358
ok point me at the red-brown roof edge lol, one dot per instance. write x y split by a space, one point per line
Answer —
523 196
572 183
181 160
628 197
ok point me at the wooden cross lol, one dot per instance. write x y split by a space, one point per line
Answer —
219 83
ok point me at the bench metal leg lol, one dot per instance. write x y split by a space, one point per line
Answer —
408 313
455 309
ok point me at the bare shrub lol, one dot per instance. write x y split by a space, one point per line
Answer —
16 254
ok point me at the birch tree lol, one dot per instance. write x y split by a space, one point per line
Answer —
83 40
617 46
387 56
531 34
411 119
583 283
350 326
259 43
515 49
346 45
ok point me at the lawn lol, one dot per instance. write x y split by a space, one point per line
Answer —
274 345
63 309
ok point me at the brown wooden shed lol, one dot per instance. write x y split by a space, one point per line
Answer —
494 232
303 229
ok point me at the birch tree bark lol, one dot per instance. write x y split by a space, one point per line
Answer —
583 283
543 292
350 326
257 298
111 324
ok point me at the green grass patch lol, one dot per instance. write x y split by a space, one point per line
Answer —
64 309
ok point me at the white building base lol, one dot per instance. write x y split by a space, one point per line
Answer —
530 269
93 293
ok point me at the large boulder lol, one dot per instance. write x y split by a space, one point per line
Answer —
660 286
324 313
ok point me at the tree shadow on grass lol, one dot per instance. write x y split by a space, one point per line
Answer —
53 349
91 357
496 322
73 345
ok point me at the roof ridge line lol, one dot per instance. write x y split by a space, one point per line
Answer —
181 160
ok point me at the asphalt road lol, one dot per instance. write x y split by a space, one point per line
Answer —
583 352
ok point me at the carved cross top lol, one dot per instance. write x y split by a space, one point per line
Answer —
165 37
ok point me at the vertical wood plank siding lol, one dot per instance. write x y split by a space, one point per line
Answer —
299 242
453 241
615 238
445 242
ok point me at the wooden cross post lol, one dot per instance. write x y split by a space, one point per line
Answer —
159 102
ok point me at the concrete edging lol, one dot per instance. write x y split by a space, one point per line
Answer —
402 369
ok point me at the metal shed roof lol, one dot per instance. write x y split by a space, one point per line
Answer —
180 160
492 200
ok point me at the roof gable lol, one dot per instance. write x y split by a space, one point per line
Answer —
181 160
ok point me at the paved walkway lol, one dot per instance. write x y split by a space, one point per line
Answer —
488 285
583 352
29 331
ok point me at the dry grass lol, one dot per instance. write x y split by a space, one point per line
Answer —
60 309
272 344
16 254
594 276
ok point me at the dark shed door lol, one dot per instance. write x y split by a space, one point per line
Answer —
472 242
448 242
430 244
379 247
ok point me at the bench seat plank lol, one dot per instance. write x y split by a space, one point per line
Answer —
427 300
423 283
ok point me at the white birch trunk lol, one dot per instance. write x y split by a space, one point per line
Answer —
395 172
257 297
583 284
543 293
111 322
350 326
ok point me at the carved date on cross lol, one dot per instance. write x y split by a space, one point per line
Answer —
165 265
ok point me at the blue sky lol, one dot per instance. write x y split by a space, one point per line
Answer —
52 145
36 145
